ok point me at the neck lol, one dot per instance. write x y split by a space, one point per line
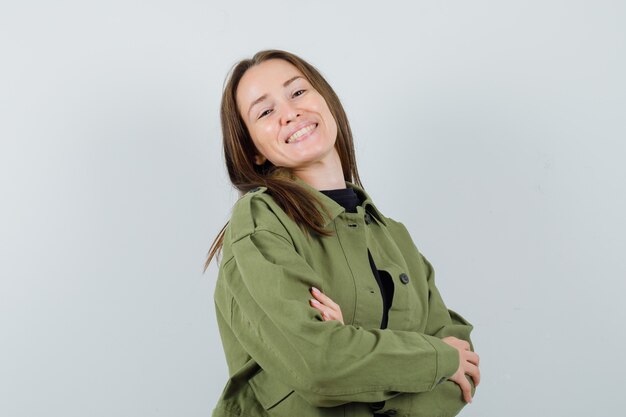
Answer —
326 174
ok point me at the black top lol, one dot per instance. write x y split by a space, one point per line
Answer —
349 199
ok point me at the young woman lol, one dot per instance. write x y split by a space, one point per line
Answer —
325 306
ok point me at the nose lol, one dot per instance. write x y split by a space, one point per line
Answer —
289 113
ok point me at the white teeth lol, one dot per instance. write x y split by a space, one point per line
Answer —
301 132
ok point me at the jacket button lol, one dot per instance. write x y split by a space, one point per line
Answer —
368 218
404 278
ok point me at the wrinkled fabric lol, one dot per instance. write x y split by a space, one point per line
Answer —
285 361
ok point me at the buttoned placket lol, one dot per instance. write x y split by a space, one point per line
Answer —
351 230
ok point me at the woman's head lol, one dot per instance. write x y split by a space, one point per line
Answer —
287 119
265 101
255 133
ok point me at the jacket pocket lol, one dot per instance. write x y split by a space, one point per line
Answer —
269 391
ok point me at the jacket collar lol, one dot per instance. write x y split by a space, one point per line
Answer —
335 208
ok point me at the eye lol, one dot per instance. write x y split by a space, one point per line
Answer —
264 113
299 91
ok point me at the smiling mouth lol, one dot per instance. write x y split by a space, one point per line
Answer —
300 133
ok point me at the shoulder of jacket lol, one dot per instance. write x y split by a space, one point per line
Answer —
391 222
397 228
253 211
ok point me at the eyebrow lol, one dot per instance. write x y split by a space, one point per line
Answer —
264 96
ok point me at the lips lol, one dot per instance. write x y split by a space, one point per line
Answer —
299 131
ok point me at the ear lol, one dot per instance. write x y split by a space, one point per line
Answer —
259 159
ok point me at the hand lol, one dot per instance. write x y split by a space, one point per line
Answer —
329 309
468 365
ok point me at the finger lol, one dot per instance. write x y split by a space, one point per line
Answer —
450 339
460 344
467 390
323 298
327 313
474 372
316 304
472 357
326 300
332 309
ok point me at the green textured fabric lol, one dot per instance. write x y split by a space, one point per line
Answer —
285 361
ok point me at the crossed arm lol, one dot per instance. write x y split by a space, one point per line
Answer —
290 343
468 360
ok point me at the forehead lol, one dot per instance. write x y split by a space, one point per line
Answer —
264 78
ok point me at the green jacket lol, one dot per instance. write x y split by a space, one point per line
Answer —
285 361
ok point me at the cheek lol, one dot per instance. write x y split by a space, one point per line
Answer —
323 109
263 136
331 123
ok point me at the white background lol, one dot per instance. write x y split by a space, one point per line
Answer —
493 129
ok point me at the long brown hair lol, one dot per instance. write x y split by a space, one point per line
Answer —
239 150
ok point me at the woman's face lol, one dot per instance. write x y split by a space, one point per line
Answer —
289 122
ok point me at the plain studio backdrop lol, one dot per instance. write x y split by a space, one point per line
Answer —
494 130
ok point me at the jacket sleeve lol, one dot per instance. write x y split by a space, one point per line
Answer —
325 362
443 322
445 400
